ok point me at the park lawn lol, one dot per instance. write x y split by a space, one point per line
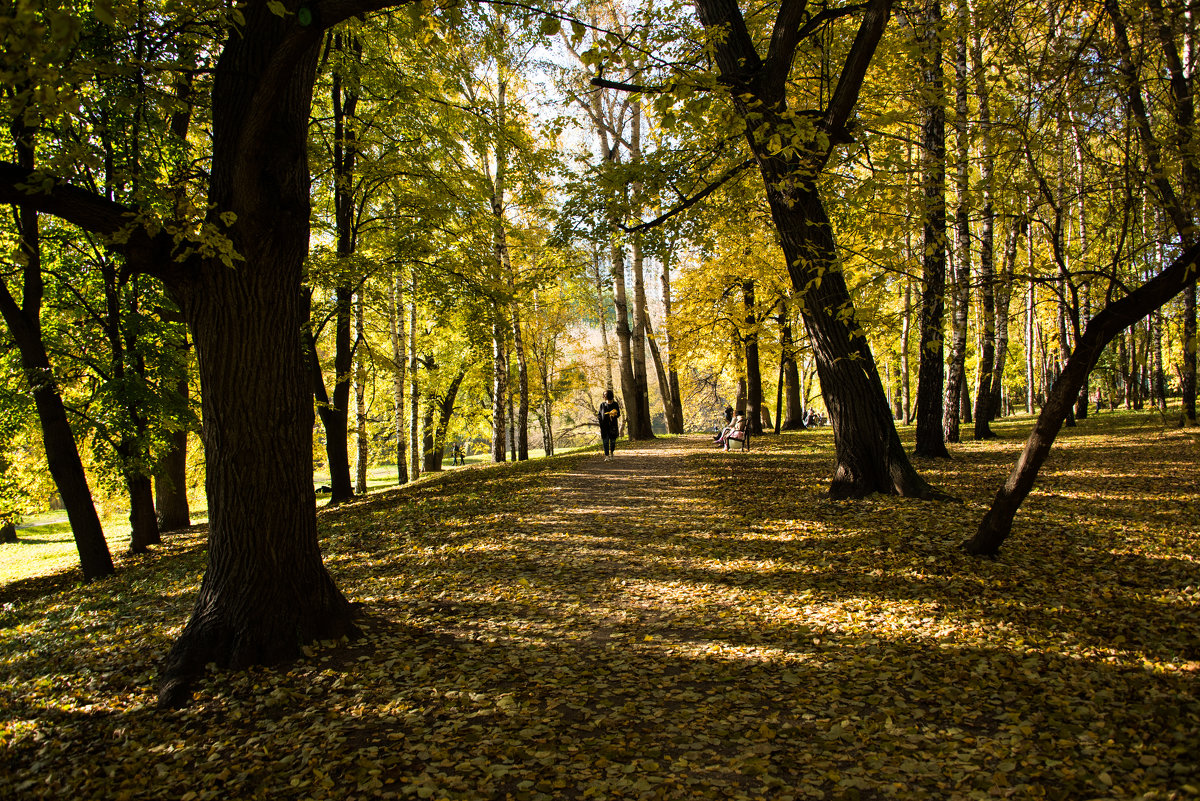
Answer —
741 637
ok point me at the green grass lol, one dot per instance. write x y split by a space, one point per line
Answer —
45 545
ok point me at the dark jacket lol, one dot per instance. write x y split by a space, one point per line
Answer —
610 417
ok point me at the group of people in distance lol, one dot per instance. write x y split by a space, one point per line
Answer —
609 416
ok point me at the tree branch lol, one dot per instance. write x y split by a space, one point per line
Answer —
692 201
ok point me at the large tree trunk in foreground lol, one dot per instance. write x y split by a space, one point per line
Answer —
1102 329
266 592
869 455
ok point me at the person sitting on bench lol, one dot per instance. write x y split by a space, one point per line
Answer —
737 430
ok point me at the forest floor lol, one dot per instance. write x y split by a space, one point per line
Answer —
677 623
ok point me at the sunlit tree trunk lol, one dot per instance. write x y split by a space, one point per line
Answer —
671 397
362 441
961 272
987 269
414 397
399 365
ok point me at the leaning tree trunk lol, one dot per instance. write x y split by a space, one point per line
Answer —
266 591
930 437
62 453
1102 329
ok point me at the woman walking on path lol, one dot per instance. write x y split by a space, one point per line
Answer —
610 416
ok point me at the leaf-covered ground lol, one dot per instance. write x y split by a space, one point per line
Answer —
677 623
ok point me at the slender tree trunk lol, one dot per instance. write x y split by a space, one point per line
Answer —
1003 303
399 363
905 367
414 395
753 366
961 272
794 419
1102 329
362 456
603 309
930 437
499 387
674 410
62 453
644 429
1030 309
522 416
629 389
1188 416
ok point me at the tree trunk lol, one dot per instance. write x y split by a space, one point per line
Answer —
266 591
962 244
522 418
170 483
362 442
987 269
414 396
869 455
629 388
143 523
1003 304
399 363
1188 416
794 419
8 531
930 437
753 366
674 411
1102 329
905 368
603 312
62 453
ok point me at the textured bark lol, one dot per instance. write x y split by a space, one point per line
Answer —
960 294
869 455
266 591
930 437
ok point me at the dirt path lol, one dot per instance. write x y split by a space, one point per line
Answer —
646 486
